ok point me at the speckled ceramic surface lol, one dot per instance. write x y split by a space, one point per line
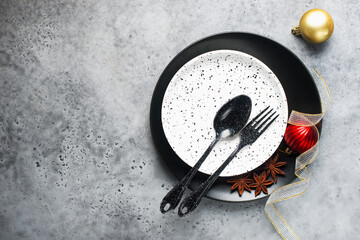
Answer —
200 88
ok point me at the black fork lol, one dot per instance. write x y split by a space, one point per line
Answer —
250 133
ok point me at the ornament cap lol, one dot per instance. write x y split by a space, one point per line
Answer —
296 31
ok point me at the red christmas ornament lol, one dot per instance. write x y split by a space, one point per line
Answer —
300 138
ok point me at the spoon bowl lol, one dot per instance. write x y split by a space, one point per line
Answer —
232 116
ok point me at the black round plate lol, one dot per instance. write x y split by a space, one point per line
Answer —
300 89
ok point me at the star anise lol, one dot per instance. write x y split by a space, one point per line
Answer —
241 182
261 183
272 166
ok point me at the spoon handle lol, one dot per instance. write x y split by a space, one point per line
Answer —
193 200
173 197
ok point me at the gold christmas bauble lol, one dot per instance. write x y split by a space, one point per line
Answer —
315 26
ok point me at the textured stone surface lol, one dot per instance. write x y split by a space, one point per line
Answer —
76 155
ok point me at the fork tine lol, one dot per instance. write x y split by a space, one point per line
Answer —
265 121
261 119
268 125
257 116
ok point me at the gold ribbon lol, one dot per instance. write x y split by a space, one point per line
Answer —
301 171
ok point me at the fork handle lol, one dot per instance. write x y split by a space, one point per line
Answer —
193 200
173 197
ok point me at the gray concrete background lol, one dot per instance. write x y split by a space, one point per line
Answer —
76 155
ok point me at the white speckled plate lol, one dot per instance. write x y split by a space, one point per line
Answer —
200 88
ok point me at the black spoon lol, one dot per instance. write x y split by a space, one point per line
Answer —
229 121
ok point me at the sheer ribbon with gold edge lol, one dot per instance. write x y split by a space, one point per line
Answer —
301 171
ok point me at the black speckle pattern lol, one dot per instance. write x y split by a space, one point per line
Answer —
200 88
